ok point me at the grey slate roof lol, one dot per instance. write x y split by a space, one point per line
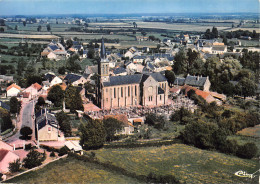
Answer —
158 77
43 119
123 80
53 47
49 77
179 81
4 105
195 81
119 70
70 78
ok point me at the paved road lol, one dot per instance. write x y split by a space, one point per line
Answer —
27 120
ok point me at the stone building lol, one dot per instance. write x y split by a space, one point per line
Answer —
150 89
199 82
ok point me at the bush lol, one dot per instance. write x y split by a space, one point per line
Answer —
248 150
15 166
25 132
28 147
52 154
64 150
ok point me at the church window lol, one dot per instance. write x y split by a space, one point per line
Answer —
114 92
122 92
160 97
135 91
107 99
128 90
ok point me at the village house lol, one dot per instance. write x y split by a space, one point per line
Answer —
75 79
33 90
47 127
6 157
199 82
13 90
127 127
51 79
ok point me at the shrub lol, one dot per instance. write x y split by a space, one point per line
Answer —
52 154
28 146
248 150
15 166
64 150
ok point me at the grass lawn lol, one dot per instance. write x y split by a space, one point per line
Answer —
186 163
72 171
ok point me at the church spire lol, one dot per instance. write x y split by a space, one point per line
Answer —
103 50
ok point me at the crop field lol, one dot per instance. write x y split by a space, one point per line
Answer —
72 171
175 26
186 163
251 131
4 35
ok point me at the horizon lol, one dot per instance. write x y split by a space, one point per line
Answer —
119 7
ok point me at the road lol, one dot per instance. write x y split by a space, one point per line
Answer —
25 120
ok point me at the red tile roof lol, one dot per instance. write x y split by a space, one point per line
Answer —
90 107
119 117
37 86
13 86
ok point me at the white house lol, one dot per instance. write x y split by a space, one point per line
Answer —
13 90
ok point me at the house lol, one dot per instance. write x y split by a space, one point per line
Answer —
127 127
4 106
52 79
33 90
73 146
139 59
205 95
6 157
13 90
5 146
47 126
120 71
75 79
219 49
199 82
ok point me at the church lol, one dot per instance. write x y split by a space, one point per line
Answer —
149 89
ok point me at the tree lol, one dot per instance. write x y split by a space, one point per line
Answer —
15 166
181 115
56 95
246 87
64 123
24 23
170 76
5 120
200 134
15 105
25 132
41 101
111 125
33 159
48 27
73 99
180 62
215 32
143 33
62 70
225 41
16 27
154 120
39 28
248 150
92 134
134 24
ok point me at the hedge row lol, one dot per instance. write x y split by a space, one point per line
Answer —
142 144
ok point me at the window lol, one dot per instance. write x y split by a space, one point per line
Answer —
107 99
121 91
106 90
49 129
135 91
151 98
128 90
114 92
160 97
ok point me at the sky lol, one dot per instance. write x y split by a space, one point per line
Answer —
40 7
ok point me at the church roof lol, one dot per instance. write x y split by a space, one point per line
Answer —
123 80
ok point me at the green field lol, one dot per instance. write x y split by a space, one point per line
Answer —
186 163
72 171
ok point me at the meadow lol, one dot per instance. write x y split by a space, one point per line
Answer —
70 170
186 163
